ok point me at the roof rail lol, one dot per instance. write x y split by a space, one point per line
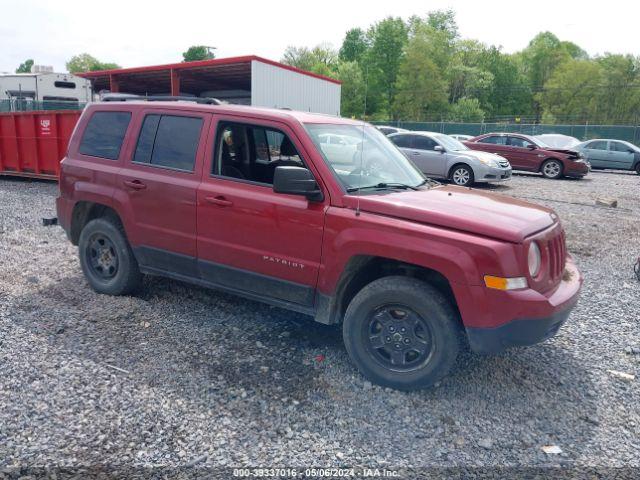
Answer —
124 97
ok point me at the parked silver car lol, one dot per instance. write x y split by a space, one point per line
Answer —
441 156
610 153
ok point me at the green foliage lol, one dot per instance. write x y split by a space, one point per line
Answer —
354 46
422 91
198 52
466 110
25 67
353 89
420 69
87 63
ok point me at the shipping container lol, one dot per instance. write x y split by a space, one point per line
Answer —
32 144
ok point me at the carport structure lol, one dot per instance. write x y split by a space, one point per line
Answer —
247 80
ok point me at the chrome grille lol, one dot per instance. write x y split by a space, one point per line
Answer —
557 252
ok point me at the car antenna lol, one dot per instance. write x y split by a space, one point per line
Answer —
364 117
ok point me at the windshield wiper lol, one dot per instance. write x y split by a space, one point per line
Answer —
383 185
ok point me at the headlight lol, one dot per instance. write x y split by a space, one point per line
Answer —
489 162
534 259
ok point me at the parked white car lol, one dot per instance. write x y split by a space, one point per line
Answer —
461 137
439 156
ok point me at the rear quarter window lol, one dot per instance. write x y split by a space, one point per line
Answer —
104 134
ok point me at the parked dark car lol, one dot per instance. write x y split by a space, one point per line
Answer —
531 154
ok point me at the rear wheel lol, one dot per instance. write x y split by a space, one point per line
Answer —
462 175
551 169
106 258
401 333
638 168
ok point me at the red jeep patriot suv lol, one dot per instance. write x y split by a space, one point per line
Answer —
266 204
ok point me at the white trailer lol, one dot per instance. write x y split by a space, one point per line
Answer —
28 88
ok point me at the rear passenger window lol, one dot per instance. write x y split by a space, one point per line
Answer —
402 141
104 134
169 141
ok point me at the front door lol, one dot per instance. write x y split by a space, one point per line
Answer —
251 239
621 155
426 158
158 185
525 156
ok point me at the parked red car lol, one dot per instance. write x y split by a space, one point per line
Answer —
532 155
253 201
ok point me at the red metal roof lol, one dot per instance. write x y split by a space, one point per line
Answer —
221 72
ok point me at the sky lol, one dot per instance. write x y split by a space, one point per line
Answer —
135 33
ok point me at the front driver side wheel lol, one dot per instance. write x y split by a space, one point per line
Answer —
402 333
462 175
552 169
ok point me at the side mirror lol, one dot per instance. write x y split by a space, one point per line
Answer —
296 181
531 146
439 148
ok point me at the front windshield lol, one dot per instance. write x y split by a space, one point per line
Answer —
363 157
540 143
450 144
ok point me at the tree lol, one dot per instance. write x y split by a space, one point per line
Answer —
571 92
322 59
387 39
354 46
25 67
353 89
466 110
87 63
198 52
421 89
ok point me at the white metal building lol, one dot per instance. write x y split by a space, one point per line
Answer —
249 80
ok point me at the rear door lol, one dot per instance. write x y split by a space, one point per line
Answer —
597 153
158 185
621 155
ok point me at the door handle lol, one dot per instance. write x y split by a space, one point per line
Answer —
135 184
415 153
219 200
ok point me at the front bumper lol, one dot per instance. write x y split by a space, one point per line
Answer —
492 174
577 169
539 316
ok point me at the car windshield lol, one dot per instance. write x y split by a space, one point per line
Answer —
366 158
539 142
450 144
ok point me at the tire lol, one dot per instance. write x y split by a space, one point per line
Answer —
551 168
638 168
461 175
375 312
106 258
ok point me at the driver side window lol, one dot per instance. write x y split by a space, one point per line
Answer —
252 153
423 143
519 142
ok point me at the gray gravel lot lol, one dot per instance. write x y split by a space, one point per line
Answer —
180 375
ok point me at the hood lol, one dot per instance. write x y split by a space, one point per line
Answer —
571 153
480 155
460 208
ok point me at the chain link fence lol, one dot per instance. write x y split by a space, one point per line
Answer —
630 133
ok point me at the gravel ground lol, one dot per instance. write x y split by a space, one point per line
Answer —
181 376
